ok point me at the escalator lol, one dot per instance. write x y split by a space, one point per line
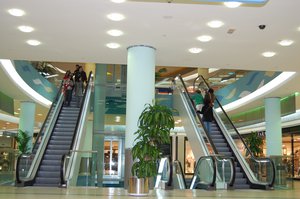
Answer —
56 138
249 172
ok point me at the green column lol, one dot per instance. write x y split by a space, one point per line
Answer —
99 117
27 119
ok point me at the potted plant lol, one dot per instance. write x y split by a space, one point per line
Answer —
254 141
154 125
22 140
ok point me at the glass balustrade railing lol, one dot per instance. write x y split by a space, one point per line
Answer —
26 163
260 171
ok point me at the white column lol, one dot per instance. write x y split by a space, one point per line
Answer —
140 86
273 126
27 119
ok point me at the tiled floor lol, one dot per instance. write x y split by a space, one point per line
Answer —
87 193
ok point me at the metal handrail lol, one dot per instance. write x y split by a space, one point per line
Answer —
240 137
62 170
198 116
18 180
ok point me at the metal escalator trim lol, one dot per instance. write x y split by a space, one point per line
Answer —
76 141
251 177
43 145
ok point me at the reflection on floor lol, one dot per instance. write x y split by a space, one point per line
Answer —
87 193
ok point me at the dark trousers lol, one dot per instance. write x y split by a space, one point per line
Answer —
68 98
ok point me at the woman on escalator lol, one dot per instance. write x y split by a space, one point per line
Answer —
207 109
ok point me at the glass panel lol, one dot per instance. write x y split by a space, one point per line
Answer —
7 166
111 160
297 156
190 162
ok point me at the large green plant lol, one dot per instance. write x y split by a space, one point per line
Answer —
255 143
22 140
154 125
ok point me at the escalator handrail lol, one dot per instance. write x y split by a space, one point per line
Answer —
212 184
198 116
48 114
181 170
233 167
256 159
81 109
18 180
62 171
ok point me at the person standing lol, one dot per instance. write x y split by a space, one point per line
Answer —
198 100
80 78
68 87
207 109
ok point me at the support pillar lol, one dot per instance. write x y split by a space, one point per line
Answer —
27 120
273 126
99 118
140 91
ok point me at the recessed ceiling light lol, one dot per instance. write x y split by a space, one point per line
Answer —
204 38
286 42
215 24
115 33
26 28
113 45
299 29
40 114
116 17
232 4
16 12
33 42
195 50
118 1
268 54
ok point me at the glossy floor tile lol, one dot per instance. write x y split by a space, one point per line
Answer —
92 193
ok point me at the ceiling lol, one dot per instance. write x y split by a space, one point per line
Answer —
75 31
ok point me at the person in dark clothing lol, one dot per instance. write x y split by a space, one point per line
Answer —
207 109
68 87
80 78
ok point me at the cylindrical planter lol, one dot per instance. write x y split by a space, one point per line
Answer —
138 186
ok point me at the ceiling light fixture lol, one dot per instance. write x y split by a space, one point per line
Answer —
232 4
116 17
215 24
268 54
118 1
115 33
33 42
113 45
286 42
26 28
16 12
195 50
204 38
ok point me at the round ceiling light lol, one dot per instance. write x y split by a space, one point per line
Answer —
286 42
268 54
113 45
26 28
232 4
118 1
115 33
195 50
16 12
33 42
215 24
204 38
116 17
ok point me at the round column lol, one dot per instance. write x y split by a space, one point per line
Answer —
140 86
27 119
140 91
273 126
